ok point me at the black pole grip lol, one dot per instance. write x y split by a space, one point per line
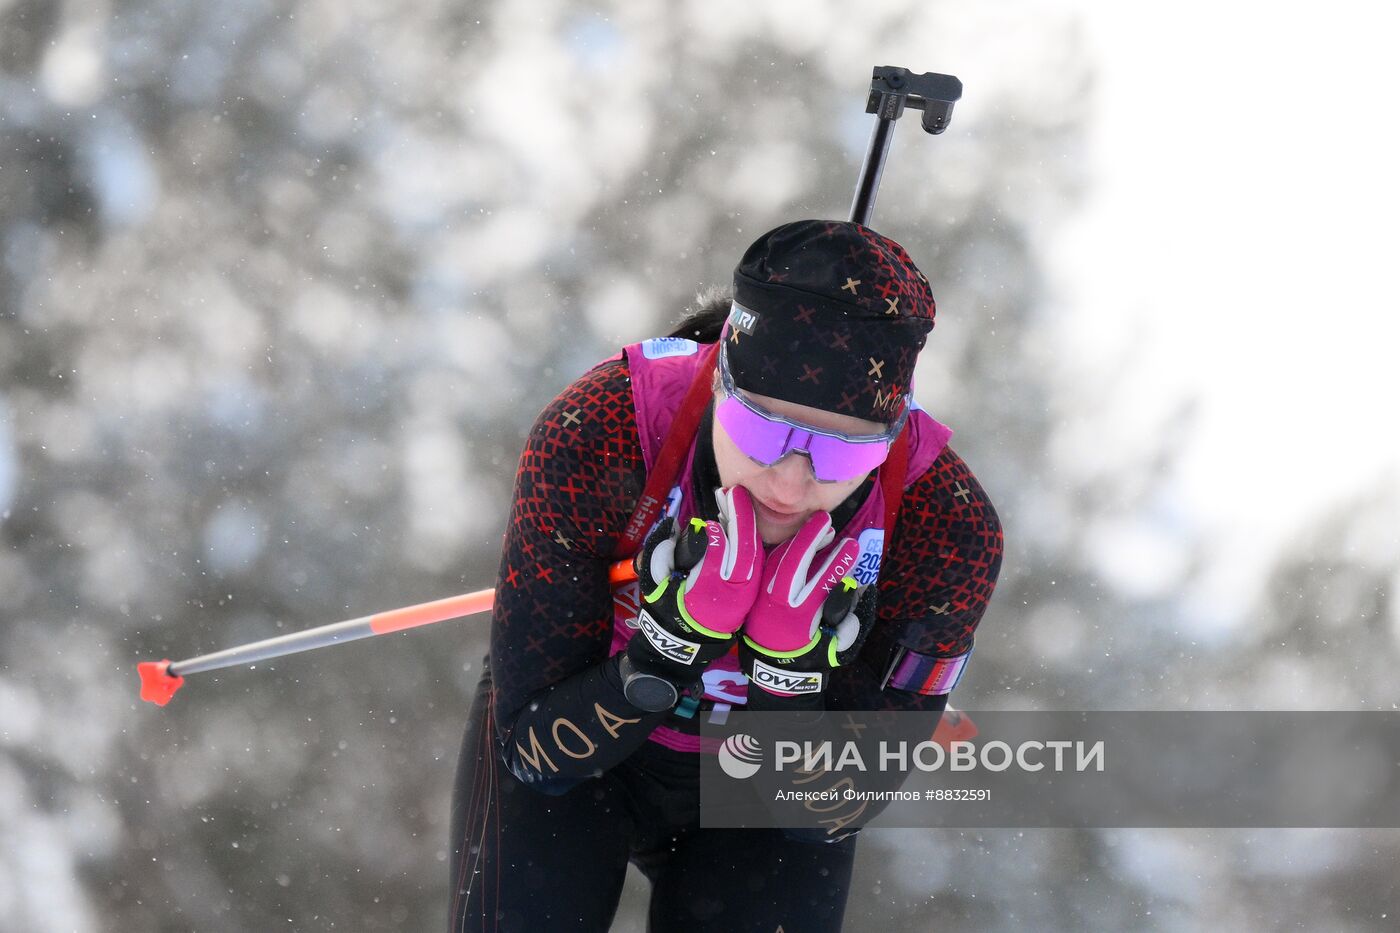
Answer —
690 547
839 604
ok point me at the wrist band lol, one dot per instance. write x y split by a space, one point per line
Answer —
919 673
646 691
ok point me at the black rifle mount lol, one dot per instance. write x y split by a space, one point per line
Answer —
891 90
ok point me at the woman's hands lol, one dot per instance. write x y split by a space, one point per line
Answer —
805 623
702 583
697 588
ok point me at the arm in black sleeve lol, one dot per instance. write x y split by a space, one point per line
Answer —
936 580
560 715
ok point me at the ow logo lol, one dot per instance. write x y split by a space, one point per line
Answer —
669 646
790 683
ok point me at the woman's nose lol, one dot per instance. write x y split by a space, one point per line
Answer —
792 476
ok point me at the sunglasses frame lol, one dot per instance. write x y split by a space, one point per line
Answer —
731 390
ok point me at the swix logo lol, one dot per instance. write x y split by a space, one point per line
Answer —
789 682
742 319
676 649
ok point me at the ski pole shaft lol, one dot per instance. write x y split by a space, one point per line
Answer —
160 679
395 620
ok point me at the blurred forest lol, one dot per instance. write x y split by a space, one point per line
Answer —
283 285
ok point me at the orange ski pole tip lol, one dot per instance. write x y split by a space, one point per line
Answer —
954 726
158 685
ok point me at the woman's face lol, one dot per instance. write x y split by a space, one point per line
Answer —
786 494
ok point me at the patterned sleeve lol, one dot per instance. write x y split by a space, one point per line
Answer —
937 577
579 478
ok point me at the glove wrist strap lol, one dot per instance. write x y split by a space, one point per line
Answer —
796 652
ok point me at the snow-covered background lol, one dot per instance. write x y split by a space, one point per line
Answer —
282 285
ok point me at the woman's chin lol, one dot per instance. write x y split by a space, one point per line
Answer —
776 532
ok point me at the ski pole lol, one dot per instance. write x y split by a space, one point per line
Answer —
160 679
891 90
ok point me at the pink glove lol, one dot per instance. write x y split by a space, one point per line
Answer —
697 587
783 651
716 565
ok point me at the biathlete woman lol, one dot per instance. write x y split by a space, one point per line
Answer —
753 472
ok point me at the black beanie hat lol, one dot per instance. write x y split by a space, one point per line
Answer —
829 314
